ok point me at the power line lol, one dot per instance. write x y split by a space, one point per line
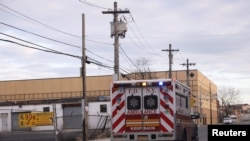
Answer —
100 56
51 39
48 26
56 52
144 48
92 4
45 38
27 42
39 35
142 35
98 42
130 60
39 22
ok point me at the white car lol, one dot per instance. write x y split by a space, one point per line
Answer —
234 118
227 120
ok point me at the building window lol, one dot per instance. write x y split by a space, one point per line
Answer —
103 108
45 109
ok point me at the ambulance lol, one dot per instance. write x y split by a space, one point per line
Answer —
157 109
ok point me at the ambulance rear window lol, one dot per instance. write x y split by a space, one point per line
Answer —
150 102
134 102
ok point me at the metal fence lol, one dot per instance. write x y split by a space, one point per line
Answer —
52 95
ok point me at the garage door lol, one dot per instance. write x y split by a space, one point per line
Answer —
72 117
15 124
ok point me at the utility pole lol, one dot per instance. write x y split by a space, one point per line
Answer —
55 123
170 59
116 33
187 75
188 64
84 97
211 119
200 104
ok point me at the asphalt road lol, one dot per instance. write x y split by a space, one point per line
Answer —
71 136
202 132
38 136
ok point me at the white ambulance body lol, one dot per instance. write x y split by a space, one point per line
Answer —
151 110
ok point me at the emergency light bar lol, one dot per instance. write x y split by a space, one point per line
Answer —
143 84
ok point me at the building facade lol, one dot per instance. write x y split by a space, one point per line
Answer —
69 90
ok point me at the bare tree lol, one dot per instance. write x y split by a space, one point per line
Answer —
228 96
142 69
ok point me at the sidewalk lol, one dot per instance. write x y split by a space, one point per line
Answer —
104 139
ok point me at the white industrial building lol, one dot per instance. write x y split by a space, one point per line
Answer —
68 116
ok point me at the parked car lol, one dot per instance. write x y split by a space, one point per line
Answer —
227 120
234 118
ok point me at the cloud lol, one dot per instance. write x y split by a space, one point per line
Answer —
213 34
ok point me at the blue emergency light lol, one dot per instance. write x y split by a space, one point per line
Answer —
160 83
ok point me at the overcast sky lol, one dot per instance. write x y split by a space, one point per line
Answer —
213 34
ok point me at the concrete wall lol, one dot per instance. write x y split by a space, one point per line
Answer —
97 118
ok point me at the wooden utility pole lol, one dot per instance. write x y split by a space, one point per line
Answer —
116 39
55 123
187 75
84 97
211 119
170 59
